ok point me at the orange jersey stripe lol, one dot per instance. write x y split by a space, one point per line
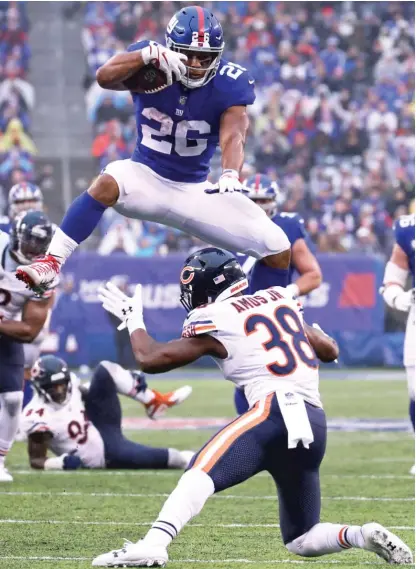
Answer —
235 432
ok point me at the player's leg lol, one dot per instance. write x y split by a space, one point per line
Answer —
296 473
11 398
233 455
103 409
234 222
240 401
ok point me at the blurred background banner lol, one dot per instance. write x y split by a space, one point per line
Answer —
347 304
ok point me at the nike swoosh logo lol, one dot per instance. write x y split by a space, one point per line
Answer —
251 82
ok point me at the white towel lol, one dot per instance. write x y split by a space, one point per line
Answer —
296 419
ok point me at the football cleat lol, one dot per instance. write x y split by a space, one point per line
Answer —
413 470
386 545
5 475
40 275
163 401
133 555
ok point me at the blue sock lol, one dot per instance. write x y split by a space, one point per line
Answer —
240 401
412 412
82 217
263 277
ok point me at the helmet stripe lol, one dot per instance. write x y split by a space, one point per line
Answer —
257 181
200 13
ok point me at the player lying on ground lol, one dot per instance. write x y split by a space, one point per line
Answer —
178 131
265 193
81 424
398 268
22 316
260 342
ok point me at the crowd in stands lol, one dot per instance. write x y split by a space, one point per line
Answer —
17 98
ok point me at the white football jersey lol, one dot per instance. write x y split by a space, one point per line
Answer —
71 430
13 293
268 350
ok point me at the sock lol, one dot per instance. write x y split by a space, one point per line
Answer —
131 384
263 277
10 407
412 412
177 458
240 401
186 501
322 539
78 223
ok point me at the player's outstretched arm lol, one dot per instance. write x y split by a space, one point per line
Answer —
33 319
325 347
155 357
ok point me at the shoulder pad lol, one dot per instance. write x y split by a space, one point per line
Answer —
236 82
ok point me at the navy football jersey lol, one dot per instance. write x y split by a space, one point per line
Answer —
404 232
178 128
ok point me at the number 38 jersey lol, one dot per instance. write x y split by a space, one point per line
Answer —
178 128
268 349
71 430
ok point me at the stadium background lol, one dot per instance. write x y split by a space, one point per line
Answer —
333 123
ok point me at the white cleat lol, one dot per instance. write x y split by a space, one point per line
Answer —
5 475
40 275
157 407
413 470
133 555
385 544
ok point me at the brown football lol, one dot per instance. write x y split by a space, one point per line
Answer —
148 79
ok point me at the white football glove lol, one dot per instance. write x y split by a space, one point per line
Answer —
228 182
165 59
128 309
404 300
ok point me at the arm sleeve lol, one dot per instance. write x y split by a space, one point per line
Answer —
138 45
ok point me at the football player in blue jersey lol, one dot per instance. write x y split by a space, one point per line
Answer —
264 192
24 196
178 129
398 268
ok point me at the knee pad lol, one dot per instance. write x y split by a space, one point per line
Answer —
12 402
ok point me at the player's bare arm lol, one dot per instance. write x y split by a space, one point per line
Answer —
34 316
325 347
394 281
233 130
37 447
119 68
307 266
155 357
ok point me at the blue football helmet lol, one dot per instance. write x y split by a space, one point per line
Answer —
210 275
30 236
196 31
264 192
24 196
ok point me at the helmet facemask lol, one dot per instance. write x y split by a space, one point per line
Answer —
209 71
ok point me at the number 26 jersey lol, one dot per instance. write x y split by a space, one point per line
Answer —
268 350
178 128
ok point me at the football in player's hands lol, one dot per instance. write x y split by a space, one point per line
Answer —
148 79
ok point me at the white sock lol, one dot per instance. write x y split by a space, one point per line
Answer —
61 246
322 539
126 384
177 458
10 408
186 501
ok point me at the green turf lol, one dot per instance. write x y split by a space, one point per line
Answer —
92 524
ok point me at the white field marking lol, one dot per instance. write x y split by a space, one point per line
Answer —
216 497
319 562
147 524
177 473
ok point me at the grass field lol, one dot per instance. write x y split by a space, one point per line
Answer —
62 520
